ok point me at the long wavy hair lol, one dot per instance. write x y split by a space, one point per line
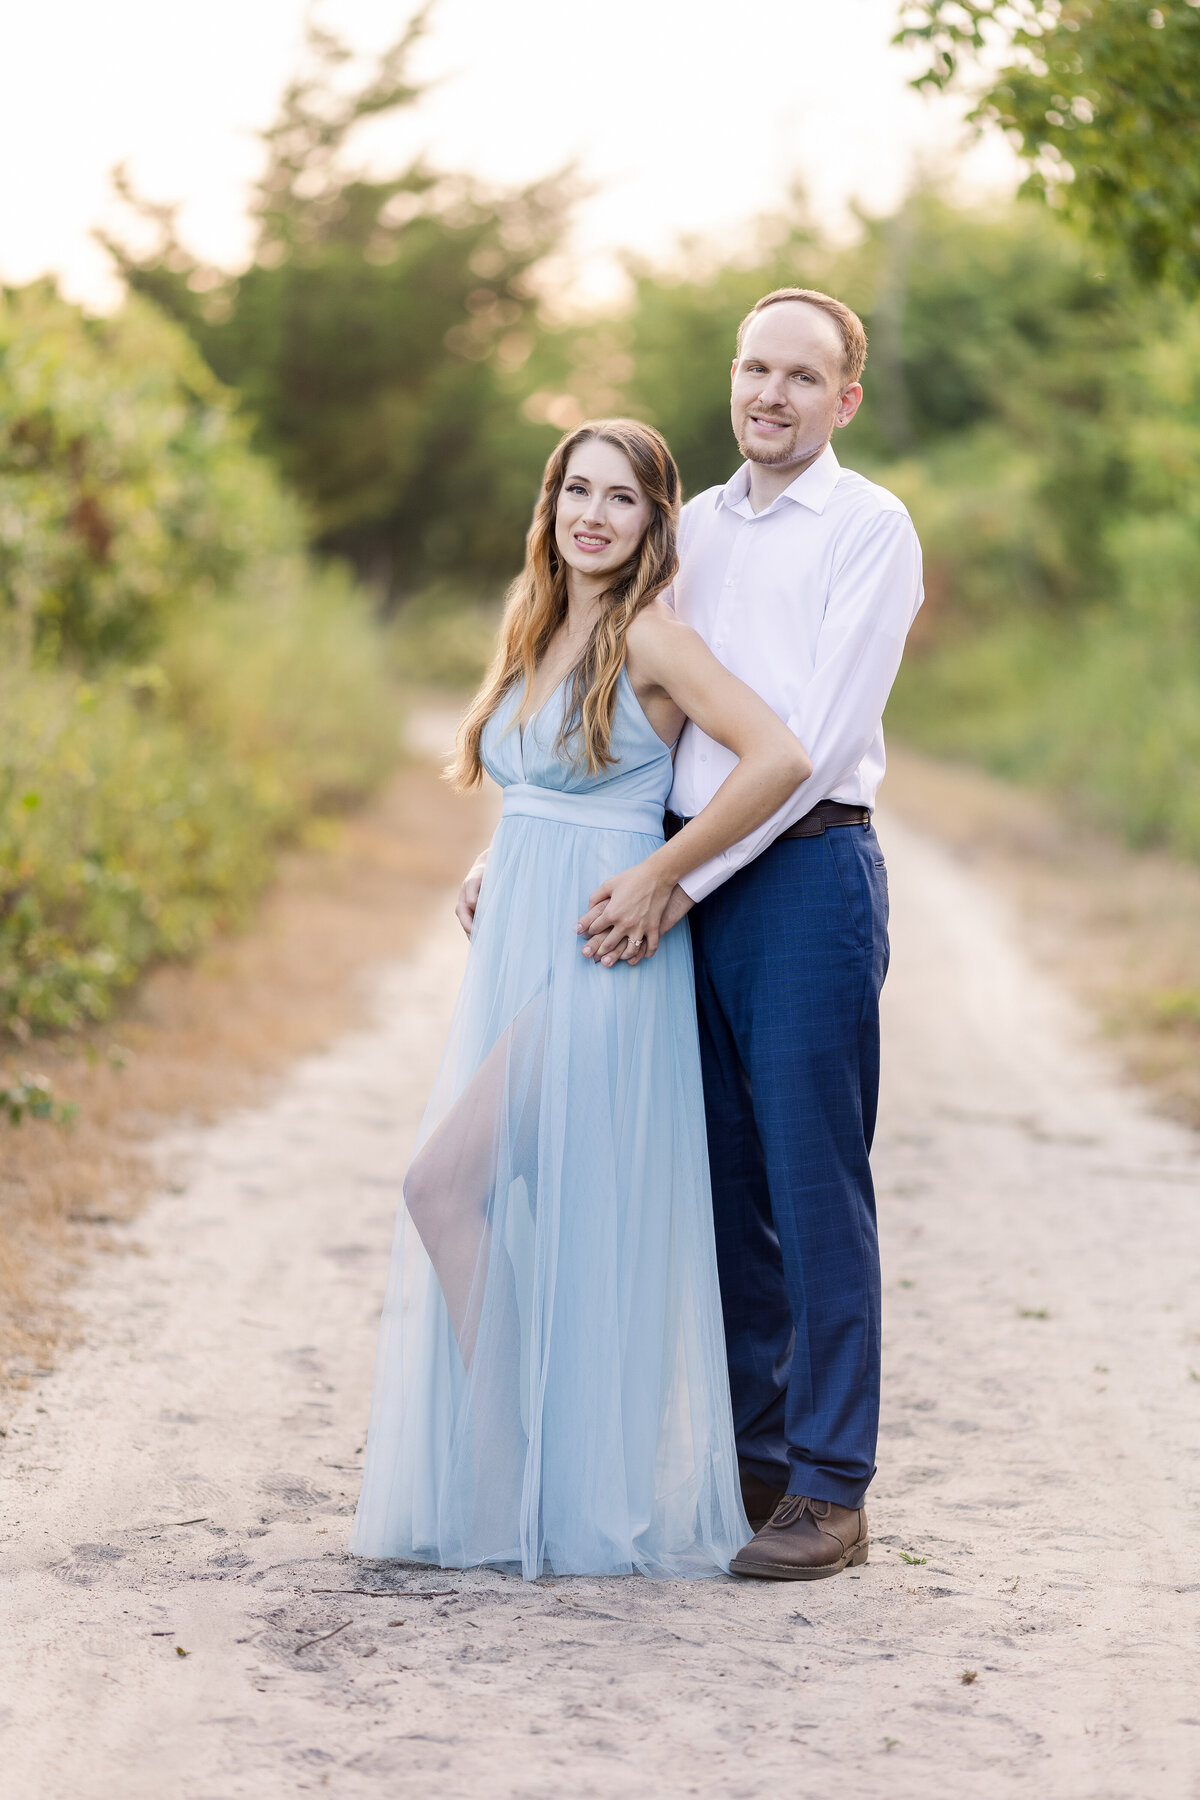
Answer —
536 605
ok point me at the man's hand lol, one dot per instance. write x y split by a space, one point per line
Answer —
468 894
627 916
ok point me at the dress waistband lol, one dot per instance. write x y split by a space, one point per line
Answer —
589 808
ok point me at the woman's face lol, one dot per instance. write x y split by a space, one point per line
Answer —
602 511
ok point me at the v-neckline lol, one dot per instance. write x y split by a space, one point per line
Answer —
537 713
535 716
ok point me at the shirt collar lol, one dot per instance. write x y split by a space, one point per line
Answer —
811 489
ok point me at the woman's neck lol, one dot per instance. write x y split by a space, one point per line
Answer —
583 604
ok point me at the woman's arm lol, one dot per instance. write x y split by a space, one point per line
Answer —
468 893
667 657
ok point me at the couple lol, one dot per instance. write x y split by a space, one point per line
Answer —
633 1316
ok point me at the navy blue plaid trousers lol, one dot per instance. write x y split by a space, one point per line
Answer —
790 957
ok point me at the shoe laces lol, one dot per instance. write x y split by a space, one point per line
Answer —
794 1506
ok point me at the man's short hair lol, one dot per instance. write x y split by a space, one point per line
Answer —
850 326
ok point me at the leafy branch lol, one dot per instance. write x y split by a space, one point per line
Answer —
1102 100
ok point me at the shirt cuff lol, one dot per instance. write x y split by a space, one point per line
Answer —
698 883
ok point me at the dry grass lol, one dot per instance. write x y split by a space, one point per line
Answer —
1121 927
197 1038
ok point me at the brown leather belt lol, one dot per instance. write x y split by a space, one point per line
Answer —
814 824
824 814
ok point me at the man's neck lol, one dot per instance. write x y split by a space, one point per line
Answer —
769 480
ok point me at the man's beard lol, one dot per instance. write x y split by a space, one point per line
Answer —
785 451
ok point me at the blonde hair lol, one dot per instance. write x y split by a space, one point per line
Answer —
537 603
850 326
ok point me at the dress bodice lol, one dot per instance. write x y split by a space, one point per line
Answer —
542 781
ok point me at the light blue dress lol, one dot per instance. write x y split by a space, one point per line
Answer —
551 1387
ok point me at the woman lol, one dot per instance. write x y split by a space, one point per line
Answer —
551 1387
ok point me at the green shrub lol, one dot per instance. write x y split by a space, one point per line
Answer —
141 810
127 490
1104 707
179 691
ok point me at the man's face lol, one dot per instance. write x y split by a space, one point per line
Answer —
789 386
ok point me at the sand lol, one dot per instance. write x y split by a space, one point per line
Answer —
180 1617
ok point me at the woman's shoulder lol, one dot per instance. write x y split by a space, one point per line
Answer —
656 633
655 625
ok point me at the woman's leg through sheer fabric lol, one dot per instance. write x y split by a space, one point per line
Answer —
466 1169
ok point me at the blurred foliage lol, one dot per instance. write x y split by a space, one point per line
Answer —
443 637
32 1097
127 488
1102 98
178 690
385 333
141 807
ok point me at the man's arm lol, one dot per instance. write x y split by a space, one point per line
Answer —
627 910
874 596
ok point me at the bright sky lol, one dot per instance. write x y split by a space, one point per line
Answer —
684 116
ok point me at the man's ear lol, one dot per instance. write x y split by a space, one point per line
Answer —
733 369
849 404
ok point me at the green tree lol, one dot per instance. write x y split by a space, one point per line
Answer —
382 334
127 487
1102 98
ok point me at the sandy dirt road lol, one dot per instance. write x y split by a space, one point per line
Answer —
1027 1622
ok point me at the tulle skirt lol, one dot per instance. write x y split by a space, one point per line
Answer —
551 1388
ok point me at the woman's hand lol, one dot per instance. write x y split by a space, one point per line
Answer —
678 906
468 893
625 916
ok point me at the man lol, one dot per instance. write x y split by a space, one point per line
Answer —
803 578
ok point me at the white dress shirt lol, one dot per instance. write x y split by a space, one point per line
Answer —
809 603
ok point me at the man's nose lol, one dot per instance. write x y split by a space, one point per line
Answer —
773 391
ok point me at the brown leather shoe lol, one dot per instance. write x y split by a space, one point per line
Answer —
804 1540
760 1498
